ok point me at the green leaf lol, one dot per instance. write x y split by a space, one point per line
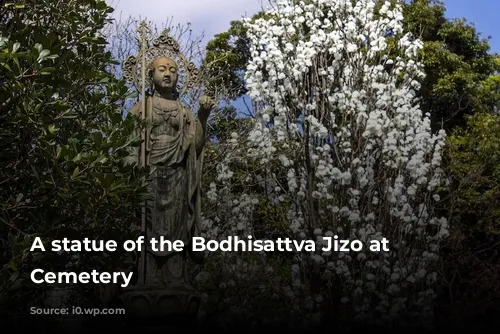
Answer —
70 115
102 159
116 118
44 54
97 136
108 180
19 197
132 95
76 172
47 70
6 66
12 265
16 47
18 66
14 277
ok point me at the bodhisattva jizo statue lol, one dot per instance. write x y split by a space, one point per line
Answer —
174 141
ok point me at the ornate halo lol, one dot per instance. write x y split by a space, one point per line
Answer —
163 46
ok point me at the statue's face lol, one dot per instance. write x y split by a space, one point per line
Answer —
165 73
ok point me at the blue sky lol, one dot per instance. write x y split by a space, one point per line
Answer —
484 15
214 16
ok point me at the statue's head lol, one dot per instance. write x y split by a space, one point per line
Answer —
163 73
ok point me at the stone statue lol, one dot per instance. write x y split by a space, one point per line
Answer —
174 140
174 145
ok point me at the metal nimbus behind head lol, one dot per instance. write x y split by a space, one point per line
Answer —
163 46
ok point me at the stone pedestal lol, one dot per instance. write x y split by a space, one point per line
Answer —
163 308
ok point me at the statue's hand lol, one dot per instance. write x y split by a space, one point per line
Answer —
207 104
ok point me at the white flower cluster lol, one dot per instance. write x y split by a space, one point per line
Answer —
342 125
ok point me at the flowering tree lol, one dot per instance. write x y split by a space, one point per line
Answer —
340 145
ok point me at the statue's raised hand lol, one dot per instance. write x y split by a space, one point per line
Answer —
207 104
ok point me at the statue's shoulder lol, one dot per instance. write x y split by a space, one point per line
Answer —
136 109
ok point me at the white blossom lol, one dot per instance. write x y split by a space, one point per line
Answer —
337 127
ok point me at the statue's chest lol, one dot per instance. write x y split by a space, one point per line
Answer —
167 116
